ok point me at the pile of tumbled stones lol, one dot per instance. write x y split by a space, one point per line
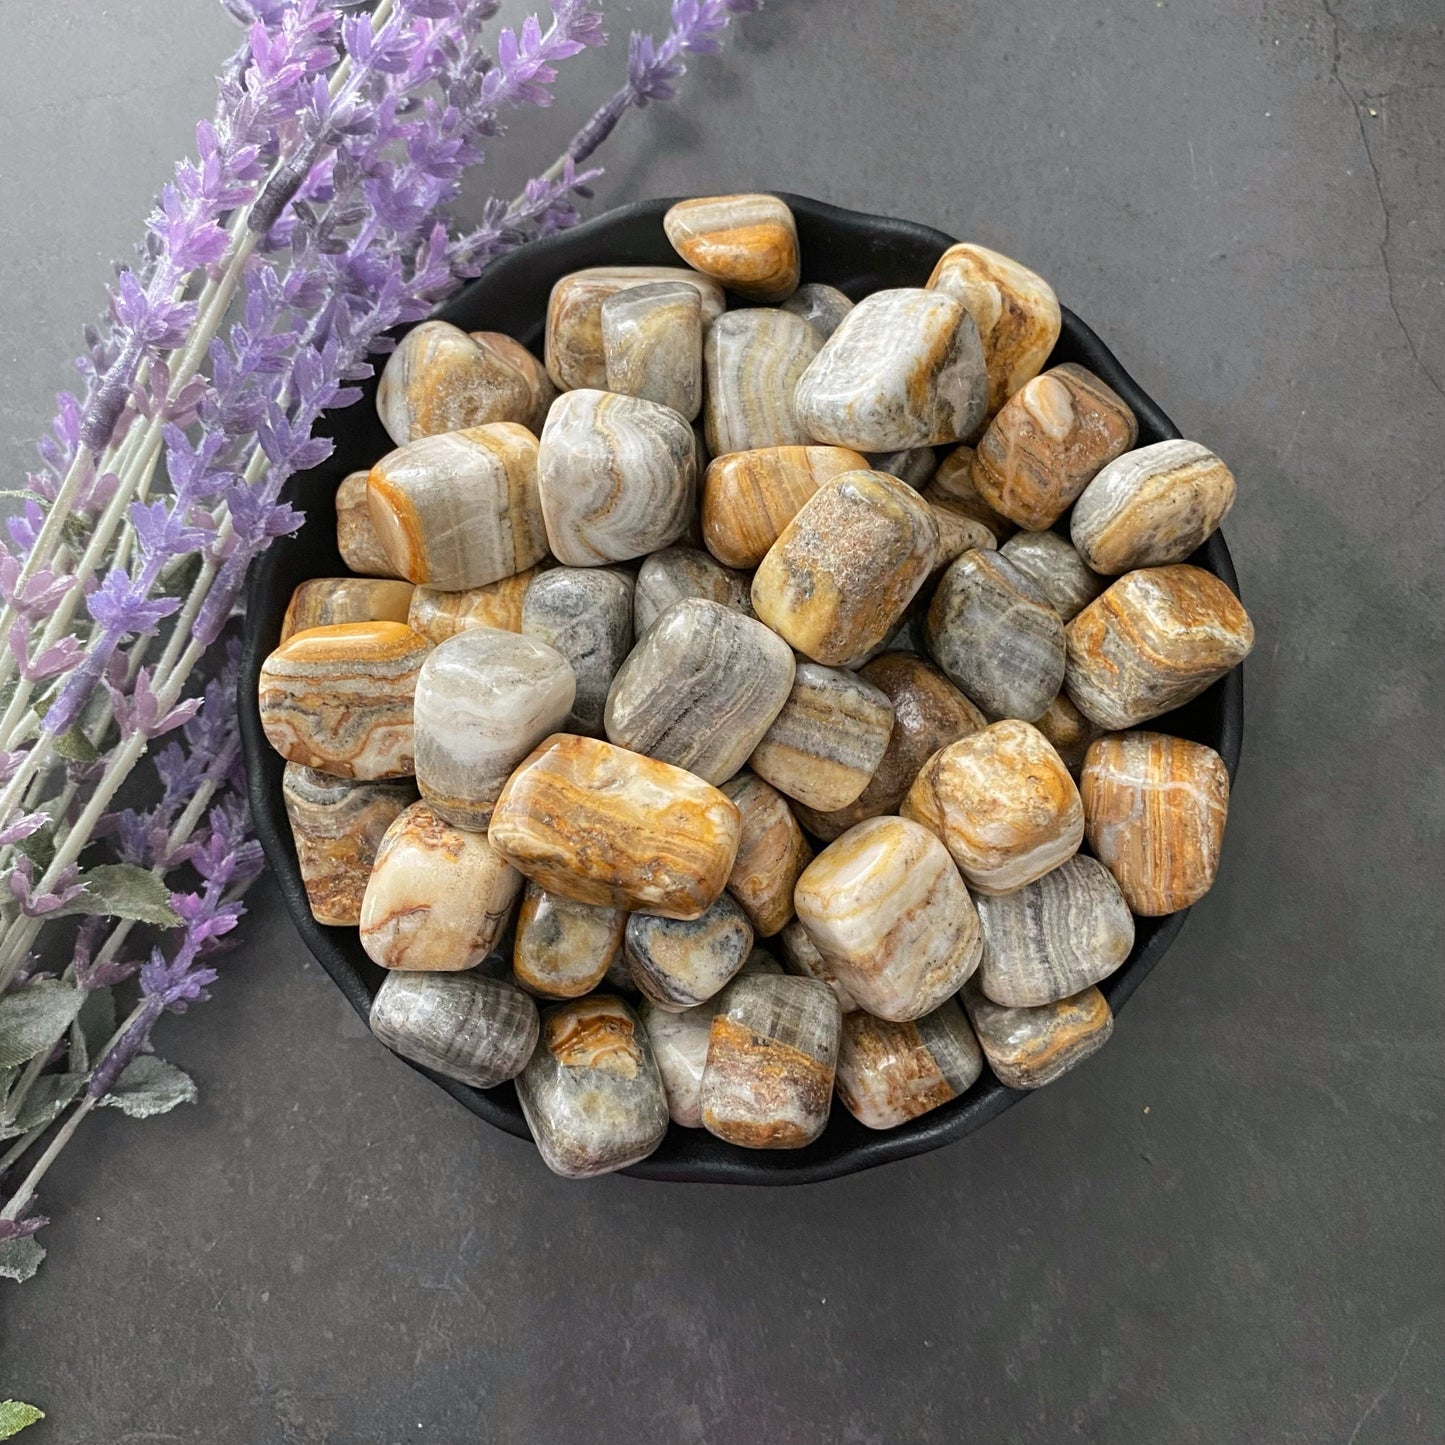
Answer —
774 733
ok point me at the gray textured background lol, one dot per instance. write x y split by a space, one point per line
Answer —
1228 1226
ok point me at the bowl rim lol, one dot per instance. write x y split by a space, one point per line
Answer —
714 1162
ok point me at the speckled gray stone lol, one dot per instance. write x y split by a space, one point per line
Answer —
1053 564
677 572
821 306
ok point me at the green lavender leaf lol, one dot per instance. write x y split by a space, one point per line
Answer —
75 747
19 1259
34 1017
97 1023
149 1085
124 890
15 1416
48 1095
39 847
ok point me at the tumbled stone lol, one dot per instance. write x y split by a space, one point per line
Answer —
591 1092
952 486
439 379
652 344
337 826
679 1044
574 316
677 572
1003 803
599 824
928 714
749 497
749 243
325 601
752 360
829 737
1050 562
772 852
585 613
1030 1047
1154 810
679 963
1151 506
356 538
997 636
484 700
822 307
1068 730
886 908
467 1026
508 353
903 369
889 1073
563 949
439 615
768 1080
1016 310
957 533
1152 641
616 476
339 698
1054 936
841 574
438 897
1047 443
462 509
801 957
914 465
700 689
761 961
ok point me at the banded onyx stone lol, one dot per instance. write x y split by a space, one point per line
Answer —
914 465
652 345
585 613
749 243
772 1052
1016 311
1030 1047
1068 730
679 1044
889 1073
591 1093
1054 936
678 572
563 949
822 307
700 689
574 353
997 636
616 475
957 533
484 700
1154 810
679 963
749 497
952 486
439 379
752 360
903 369
439 615
928 714
1151 506
325 601
1003 803
338 826
468 1026
843 571
439 896
356 538
460 510
801 958
831 734
1048 441
506 352
1152 641
1050 562
772 852
886 908
339 698
598 824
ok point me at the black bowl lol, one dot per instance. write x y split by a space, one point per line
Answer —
858 254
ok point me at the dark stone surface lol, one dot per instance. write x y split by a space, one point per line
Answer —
1246 201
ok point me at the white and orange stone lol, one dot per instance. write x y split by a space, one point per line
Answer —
325 601
748 243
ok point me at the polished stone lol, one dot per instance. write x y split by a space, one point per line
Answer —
1154 811
903 369
356 538
952 486
821 306
468 1026
563 949
677 572
772 852
541 390
1152 641
439 896
439 615
1029 1047
957 533
598 824
679 1044
700 689
1068 730
752 360
886 908
325 601
748 243
617 476
1050 562
679 963
801 958
652 345
1004 804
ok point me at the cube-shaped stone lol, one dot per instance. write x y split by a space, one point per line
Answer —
748 243
563 949
326 601
679 963
677 572
508 353
752 360
652 344
438 615
1030 1047
772 852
